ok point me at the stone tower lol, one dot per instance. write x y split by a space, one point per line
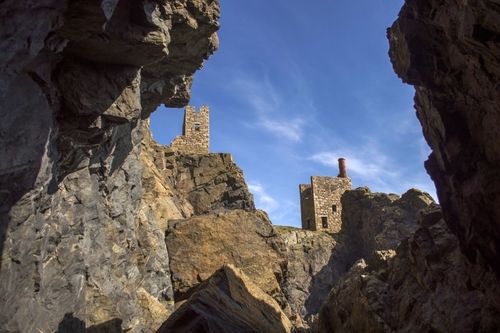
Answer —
195 132
320 204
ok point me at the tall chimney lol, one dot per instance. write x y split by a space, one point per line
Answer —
342 168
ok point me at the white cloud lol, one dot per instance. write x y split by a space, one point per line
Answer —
262 199
366 163
291 130
368 166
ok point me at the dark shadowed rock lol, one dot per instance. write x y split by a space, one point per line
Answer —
312 263
426 285
378 221
228 302
449 51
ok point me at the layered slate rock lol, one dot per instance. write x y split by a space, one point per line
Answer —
200 245
228 302
426 285
449 51
79 245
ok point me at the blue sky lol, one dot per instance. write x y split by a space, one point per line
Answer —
294 86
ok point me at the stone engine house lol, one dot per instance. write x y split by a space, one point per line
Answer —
195 132
320 204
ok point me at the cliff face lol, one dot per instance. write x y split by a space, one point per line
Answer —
449 51
77 79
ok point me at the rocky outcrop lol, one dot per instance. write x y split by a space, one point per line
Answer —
79 246
184 185
311 264
378 221
449 51
211 183
228 302
427 284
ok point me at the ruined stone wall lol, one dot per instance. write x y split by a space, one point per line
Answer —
327 192
195 132
307 207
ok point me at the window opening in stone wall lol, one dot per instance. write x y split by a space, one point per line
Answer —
334 208
308 223
324 222
196 126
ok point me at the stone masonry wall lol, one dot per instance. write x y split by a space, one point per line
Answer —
307 207
327 192
195 132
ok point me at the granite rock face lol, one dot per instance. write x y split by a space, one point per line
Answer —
79 249
449 51
228 302
426 285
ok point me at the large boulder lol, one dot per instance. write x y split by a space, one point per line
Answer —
202 244
378 221
228 302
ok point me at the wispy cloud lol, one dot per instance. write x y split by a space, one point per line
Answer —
369 166
262 199
292 130
281 211
365 162
275 110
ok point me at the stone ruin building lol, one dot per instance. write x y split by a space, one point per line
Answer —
195 132
320 204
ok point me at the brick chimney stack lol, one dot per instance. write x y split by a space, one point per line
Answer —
342 168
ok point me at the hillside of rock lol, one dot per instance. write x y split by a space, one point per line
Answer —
298 268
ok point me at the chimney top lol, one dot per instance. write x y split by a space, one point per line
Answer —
342 168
